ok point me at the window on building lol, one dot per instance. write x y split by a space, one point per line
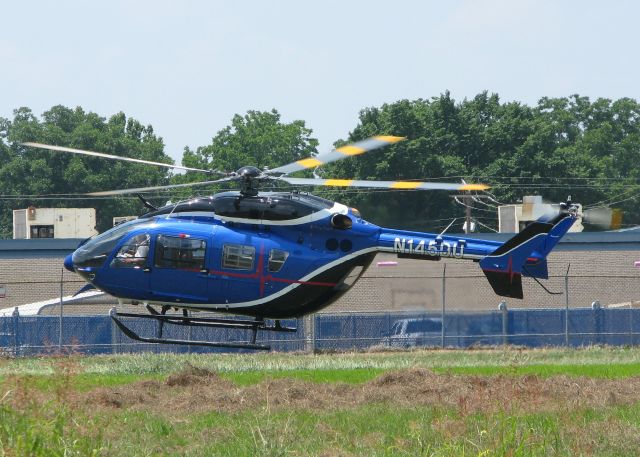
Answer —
238 256
180 253
42 231
277 258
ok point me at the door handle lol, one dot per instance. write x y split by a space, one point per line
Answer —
146 270
204 271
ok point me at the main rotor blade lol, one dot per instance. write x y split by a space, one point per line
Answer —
109 156
400 185
340 153
147 189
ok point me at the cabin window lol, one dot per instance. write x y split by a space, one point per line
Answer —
133 254
180 253
277 258
238 256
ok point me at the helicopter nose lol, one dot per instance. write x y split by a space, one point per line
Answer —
68 263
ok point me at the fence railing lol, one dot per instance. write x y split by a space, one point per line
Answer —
34 335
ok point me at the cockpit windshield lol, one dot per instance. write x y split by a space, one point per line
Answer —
95 251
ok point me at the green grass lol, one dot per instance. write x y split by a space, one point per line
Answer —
53 428
162 364
47 430
354 376
83 382
372 430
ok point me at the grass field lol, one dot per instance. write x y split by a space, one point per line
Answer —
432 403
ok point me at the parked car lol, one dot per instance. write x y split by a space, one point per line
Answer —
415 332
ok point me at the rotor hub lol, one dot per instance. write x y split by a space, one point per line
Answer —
249 172
249 177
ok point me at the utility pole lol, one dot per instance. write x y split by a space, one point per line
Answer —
467 199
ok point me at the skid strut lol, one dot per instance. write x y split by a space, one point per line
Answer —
162 318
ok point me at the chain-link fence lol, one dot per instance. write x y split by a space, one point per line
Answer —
589 299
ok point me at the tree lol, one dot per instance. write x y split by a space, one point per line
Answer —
29 174
562 146
258 138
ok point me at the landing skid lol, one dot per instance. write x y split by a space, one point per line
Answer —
162 318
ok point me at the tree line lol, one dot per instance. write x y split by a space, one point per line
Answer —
559 147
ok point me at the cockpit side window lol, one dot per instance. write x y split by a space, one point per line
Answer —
95 251
134 253
180 253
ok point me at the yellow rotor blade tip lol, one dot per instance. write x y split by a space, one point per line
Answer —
351 150
338 182
309 163
389 138
405 185
474 187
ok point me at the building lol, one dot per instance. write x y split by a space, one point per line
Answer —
514 218
32 222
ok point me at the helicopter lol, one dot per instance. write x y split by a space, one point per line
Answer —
267 256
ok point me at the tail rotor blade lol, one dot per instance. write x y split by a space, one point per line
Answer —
603 217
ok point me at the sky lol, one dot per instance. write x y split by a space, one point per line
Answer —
188 67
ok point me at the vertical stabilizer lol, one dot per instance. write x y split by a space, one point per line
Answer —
524 255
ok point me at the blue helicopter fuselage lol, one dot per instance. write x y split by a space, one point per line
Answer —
275 255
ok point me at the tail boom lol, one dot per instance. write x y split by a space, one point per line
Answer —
503 264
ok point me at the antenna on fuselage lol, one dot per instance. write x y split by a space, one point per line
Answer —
448 227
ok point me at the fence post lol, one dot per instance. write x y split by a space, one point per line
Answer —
502 306
597 326
308 324
16 320
444 301
189 333
61 305
114 332
314 336
631 323
566 306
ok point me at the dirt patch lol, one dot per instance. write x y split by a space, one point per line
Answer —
198 390
192 375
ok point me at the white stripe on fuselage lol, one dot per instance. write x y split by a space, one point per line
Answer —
464 256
